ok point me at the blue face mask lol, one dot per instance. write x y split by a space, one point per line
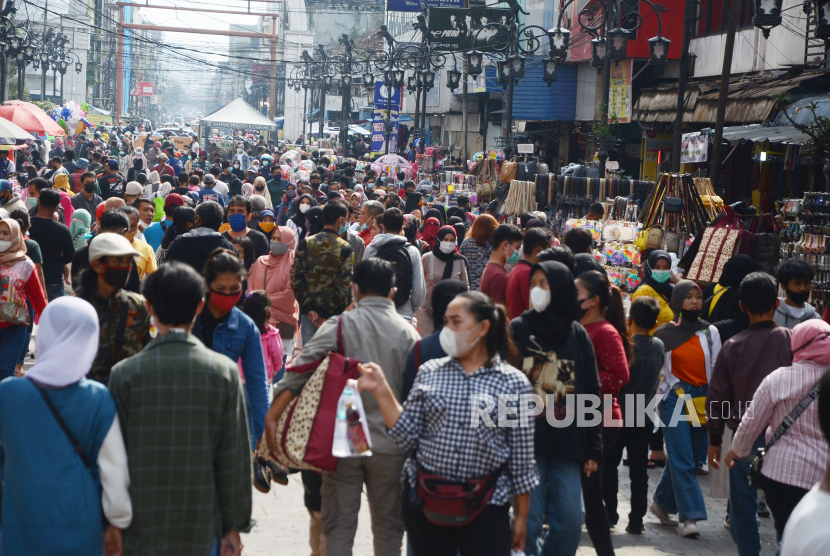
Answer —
237 222
343 230
364 227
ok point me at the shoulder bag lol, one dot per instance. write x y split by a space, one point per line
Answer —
72 440
758 462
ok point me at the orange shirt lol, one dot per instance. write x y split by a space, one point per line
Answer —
688 362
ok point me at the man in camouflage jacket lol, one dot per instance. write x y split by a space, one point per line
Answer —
322 271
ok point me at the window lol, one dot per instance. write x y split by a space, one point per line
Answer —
713 16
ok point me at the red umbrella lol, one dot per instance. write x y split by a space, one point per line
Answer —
30 117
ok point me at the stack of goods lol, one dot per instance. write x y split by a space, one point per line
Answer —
521 198
804 236
486 174
711 202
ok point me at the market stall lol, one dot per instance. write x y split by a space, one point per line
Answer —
237 115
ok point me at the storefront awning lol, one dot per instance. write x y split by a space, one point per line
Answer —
779 134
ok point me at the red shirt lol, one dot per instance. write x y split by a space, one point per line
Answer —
163 169
612 364
518 289
494 282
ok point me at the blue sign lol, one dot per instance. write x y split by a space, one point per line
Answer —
383 104
415 5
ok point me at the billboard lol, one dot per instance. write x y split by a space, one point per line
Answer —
619 97
385 100
456 29
144 89
415 5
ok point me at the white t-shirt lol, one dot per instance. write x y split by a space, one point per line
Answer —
806 533
796 312
221 188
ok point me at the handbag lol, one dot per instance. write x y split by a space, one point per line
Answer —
758 461
453 503
719 243
766 252
305 430
508 171
671 241
76 446
673 205
654 237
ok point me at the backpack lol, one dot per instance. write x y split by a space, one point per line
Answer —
398 255
158 202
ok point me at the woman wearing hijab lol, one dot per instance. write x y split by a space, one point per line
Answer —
356 200
692 346
558 358
297 223
439 215
442 263
413 202
656 283
136 169
272 273
314 221
720 305
459 227
583 262
798 459
79 227
261 190
234 188
430 232
84 483
267 222
139 154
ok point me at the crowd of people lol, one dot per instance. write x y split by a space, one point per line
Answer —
173 303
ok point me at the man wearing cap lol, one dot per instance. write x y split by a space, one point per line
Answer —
124 320
154 234
176 163
242 157
111 184
162 167
132 192
209 193
8 199
201 164
109 221
87 199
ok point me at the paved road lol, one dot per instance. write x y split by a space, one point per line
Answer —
282 527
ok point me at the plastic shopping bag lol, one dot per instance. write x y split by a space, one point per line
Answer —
351 430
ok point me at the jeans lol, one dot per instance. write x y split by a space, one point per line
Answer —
559 497
679 490
25 349
307 329
636 441
743 505
11 342
54 291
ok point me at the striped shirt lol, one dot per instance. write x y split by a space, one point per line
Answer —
800 457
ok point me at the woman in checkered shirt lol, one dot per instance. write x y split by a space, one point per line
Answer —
434 426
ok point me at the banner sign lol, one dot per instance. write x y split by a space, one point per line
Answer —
694 147
382 103
143 89
415 5
619 102
455 29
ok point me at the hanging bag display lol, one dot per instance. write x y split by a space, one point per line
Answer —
719 243
767 249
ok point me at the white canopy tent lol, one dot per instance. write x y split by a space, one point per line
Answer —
238 115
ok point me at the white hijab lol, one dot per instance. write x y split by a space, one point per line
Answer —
67 342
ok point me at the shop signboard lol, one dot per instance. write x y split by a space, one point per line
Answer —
525 148
693 148
385 99
455 28
143 89
619 101
415 5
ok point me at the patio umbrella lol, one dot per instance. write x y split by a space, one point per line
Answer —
10 133
30 118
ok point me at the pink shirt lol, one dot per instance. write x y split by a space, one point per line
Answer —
272 352
800 457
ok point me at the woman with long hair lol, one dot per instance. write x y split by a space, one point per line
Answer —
435 420
603 317
442 263
476 247
558 358
692 346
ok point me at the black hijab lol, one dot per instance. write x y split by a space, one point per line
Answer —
554 323
442 294
586 262
665 289
314 218
460 228
299 217
734 271
440 213
674 334
448 258
457 211
413 202
235 187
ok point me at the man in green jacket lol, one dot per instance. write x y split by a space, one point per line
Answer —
182 412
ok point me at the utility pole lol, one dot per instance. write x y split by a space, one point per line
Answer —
324 69
726 71
688 17
464 113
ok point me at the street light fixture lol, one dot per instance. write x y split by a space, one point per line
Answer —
474 62
517 66
559 39
768 15
412 83
618 39
598 49
369 80
453 79
503 72
429 79
659 51
549 70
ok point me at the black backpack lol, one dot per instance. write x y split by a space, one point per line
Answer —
398 254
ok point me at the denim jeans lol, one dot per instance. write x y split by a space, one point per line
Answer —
54 291
743 505
559 497
679 490
25 349
307 329
11 342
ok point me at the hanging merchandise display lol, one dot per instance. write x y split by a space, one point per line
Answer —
521 198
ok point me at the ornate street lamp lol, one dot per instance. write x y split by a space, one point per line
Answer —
412 83
659 51
453 79
474 62
399 77
503 72
549 70
369 80
767 15
517 66
429 79
598 49
559 39
618 40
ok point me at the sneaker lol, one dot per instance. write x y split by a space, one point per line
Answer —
763 511
262 476
662 516
633 529
689 529
726 521
277 471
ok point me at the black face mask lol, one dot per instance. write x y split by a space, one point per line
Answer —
89 187
798 297
116 276
260 188
690 315
580 312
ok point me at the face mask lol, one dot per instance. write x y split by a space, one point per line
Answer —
116 276
32 201
690 315
278 249
4 246
343 230
364 227
539 299
290 195
304 208
239 151
514 258
265 163
661 276
236 166
224 301
237 222
798 297
454 343
260 188
267 227
142 225
580 312
447 247
89 187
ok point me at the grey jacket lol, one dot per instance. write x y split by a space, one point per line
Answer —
372 333
419 289
786 319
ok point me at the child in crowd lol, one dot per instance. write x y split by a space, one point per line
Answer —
795 276
258 307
